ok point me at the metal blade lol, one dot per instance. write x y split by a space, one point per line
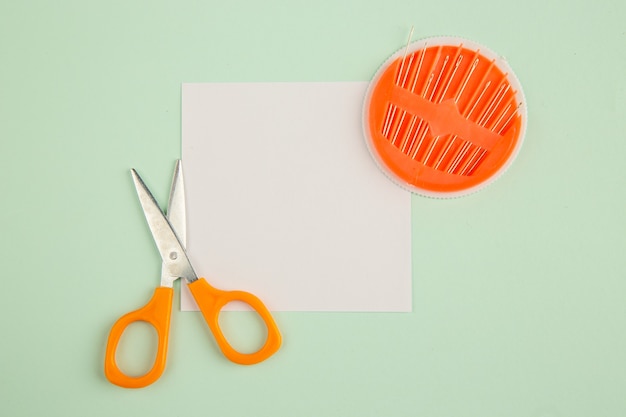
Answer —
177 217
175 260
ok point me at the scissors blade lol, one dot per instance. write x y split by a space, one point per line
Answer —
177 218
175 260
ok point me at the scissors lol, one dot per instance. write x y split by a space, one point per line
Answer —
169 234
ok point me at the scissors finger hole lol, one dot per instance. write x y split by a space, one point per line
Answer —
137 349
242 327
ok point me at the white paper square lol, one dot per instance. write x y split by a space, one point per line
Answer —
284 200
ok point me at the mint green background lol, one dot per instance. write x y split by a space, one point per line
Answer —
519 290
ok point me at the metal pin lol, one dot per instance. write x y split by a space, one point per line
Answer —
419 67
412 136
430 149
459 157
406 50
443 68
451 77
478 160
506 110
391 110
430 80
408 134
482 93
389 120
509 119
469 162
445 152
469 74
408 70
421 138
495 102
420 132
395 134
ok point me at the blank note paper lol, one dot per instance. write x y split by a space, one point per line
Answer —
284 200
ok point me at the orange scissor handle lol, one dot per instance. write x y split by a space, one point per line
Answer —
157 313
211 301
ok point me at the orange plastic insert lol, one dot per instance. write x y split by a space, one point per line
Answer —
445 118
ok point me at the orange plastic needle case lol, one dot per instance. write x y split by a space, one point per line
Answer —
170 235
444 117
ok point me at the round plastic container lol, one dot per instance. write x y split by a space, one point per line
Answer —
444 117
